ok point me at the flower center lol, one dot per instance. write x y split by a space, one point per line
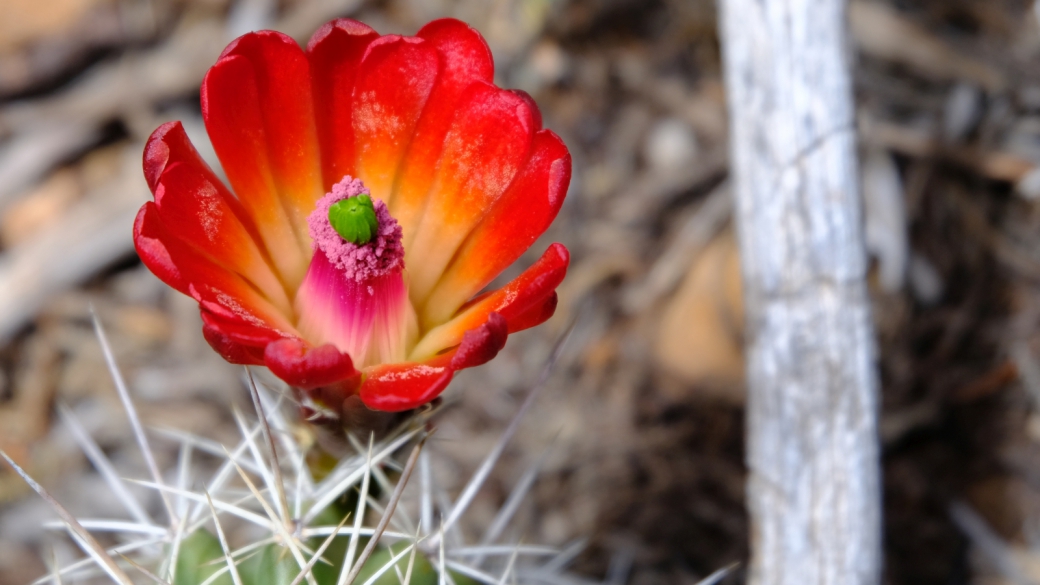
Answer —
354 219
349 207
354 295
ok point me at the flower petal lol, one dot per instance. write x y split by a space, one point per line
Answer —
191 202
283 76
246 332
536 315
515 301
231 350
307 367
466 55
335 52
223 293
515 221
397 387
465 58
487 144
256 102
153 252
482 344
169 144
393 83
533 105
199 211
237 341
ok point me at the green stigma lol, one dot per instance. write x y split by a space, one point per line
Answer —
354 219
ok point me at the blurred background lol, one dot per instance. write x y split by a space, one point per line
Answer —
643 414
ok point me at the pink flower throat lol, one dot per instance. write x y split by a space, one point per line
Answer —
355 296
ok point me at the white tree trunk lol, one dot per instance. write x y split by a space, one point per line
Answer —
813 489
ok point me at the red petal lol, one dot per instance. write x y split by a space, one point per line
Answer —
257 105
536 315
334 53
307 367
219 291
393 82
231 350
487 144
466 55
482 344
515 301
537 114
283 77
243 331
465 58
169 144
529 289
517 219
199 210
152 251
397 387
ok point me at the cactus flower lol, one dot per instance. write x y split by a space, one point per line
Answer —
378 184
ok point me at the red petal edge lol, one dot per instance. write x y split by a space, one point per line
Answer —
307 367
482 344
229 349
397 387
152 251
512 225
334 53
535 315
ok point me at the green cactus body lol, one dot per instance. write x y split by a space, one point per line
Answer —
199 558
273 565
423 572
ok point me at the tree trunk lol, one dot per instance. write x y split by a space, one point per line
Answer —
813 489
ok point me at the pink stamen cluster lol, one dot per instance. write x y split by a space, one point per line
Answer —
383 255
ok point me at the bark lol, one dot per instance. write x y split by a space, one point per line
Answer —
813 487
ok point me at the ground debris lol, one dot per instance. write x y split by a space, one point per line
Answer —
643 447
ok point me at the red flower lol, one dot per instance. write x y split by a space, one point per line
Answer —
462 180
